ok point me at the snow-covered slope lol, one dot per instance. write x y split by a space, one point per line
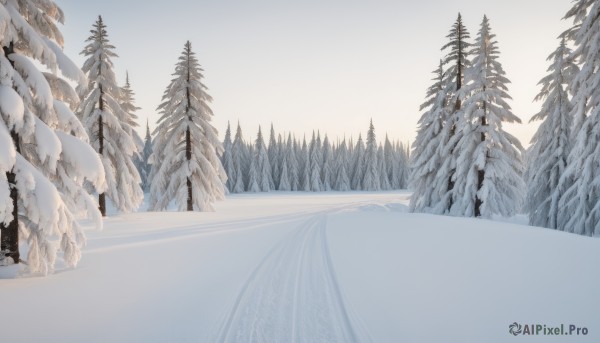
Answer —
309 267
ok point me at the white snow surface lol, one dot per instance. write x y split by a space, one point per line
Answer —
305 267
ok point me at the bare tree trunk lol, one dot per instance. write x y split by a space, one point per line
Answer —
188 153
481 172
102 196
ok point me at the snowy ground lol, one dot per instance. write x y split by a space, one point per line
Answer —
335 267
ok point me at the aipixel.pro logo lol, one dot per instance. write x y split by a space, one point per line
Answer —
516 329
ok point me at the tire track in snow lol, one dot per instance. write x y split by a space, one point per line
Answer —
293 295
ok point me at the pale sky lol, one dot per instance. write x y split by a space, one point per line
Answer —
314 64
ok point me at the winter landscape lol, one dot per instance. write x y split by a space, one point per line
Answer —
311 197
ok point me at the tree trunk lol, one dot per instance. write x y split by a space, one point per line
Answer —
102 196
481 172
188 154
9 234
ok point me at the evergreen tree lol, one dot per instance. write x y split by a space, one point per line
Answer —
108 124
239 158
384 181
305 167
187 167
326 171
314 164
579 207
44 155
428 149
457 60
488 175
292 160
371 176
127 102
342 181
227 160
273 152
261 165
284 181
144 165
548 154
358 166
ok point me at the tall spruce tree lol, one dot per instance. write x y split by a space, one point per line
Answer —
144 165
44 155
456 61
371 178
489 168
108 124
227 159
428 149
579 207
358 166
240 157
551 144
187 167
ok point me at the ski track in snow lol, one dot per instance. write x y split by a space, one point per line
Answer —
293 295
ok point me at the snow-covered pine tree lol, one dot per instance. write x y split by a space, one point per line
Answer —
127 102
227 160
428 149
144 165
326 171
239 156
284 179
304 167
384 181
44 157
358 167
342 181
579 207
489 167
371 177
550 146
314 165
273 153
262 166
187 167
457 60
108 125
292 160
403 153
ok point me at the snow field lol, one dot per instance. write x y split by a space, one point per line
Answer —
331 267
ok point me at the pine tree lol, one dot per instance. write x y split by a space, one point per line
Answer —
227 160
488 175
127 102
457 60
284 180
144 165
305 167
273 152
428 149
342 181
548 154
326 170
44 155
187 168
108 124
384 181
358 166
579 207
239 157
314 164
292 160
371 177
262 166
